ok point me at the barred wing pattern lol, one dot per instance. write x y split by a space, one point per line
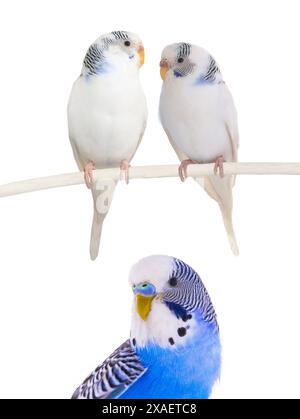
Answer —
114 376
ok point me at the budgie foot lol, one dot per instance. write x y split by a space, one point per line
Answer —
219 168
182 169
88 174
124 170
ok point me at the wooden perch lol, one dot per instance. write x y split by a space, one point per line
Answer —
147 172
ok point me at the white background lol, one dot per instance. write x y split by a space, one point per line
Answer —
61 314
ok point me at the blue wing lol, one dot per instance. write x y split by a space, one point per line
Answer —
117 373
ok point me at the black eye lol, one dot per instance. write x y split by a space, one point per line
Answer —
127 43
180 60
173 282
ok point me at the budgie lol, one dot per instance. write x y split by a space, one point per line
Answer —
199 117
174 350
107 113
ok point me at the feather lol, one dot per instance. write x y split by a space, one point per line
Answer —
99 216
107 115
174 351
117 373
201 123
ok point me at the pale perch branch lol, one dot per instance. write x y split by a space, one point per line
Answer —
144 172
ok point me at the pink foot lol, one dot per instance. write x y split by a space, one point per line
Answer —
124 168
219 168
88 174
182 169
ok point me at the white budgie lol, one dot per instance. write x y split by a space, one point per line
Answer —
107 112
198 115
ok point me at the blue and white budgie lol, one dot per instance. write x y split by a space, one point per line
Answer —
174 350
199 117
107 112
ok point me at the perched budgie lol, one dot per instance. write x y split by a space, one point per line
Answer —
199 117
107 112
174 350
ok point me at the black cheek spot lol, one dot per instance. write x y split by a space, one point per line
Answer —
186 317
133 341
181 331
171 340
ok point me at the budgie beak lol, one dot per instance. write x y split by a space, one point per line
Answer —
141 53
143 306
164 68
145 294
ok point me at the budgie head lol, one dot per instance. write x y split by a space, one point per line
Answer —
170 302
118 49
182 61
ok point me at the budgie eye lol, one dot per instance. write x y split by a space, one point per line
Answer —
173 281
180 60
127 43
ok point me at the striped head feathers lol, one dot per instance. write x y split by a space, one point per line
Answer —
169 299
111 49
182 59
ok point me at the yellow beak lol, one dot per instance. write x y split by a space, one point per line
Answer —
164 68
141 53
143 306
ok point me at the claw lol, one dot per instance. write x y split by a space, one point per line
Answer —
219 168
88 174
124 171
182 169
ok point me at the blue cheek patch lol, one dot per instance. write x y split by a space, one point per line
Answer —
177 74
131 57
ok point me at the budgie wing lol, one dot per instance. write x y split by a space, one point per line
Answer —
230 119
117 373
141 136
180 154
76 155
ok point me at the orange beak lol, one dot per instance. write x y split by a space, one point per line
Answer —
164 68
141 53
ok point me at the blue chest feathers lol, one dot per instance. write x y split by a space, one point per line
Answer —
185 371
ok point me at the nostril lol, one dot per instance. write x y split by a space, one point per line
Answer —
144 285
163 63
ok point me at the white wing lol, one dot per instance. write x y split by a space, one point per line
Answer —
230 119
